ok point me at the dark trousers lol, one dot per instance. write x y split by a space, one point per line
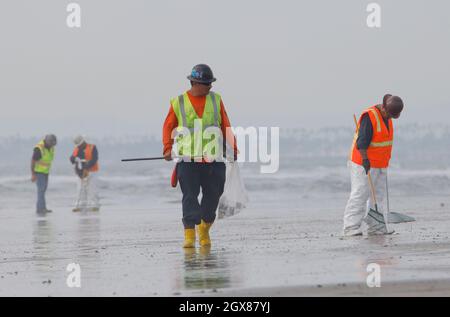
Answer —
210 178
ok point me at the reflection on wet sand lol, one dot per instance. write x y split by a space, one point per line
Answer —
83 248
43 237
205 269
87 247
88 236
378 247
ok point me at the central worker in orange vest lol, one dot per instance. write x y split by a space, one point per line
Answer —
371 152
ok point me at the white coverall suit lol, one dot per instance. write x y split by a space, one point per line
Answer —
360 201
87 193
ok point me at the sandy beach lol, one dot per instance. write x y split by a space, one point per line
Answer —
318 107
288 247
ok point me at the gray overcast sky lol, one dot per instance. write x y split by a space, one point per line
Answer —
278 63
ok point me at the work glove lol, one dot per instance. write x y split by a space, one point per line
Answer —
168 155
366 165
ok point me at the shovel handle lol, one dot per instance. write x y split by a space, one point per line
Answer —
372 190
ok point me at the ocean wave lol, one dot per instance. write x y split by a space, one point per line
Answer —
318 181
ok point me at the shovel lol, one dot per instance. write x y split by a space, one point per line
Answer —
393 217
374 213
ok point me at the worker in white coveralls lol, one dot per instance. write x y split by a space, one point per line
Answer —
371 152
85 159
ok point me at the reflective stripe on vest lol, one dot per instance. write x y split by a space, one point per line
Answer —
187 117
377 118
382 144
45 163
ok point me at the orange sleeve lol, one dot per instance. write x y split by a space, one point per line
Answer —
229 136
170 124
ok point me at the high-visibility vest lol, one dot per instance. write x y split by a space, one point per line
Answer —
194 139
87 156
45 163
380 148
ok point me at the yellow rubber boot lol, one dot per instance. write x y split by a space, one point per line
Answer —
203 233
189 238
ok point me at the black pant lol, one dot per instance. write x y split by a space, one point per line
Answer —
210 177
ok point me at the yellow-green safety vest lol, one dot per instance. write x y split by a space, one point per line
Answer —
209 146
45 163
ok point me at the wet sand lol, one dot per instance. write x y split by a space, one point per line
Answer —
421 288
291 247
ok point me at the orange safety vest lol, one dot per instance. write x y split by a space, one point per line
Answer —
380 149
87 156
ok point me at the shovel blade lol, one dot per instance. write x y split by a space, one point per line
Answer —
376 215
395 217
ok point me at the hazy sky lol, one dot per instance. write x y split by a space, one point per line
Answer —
278 63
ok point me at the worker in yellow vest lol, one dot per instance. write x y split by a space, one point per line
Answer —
41 163
199 126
